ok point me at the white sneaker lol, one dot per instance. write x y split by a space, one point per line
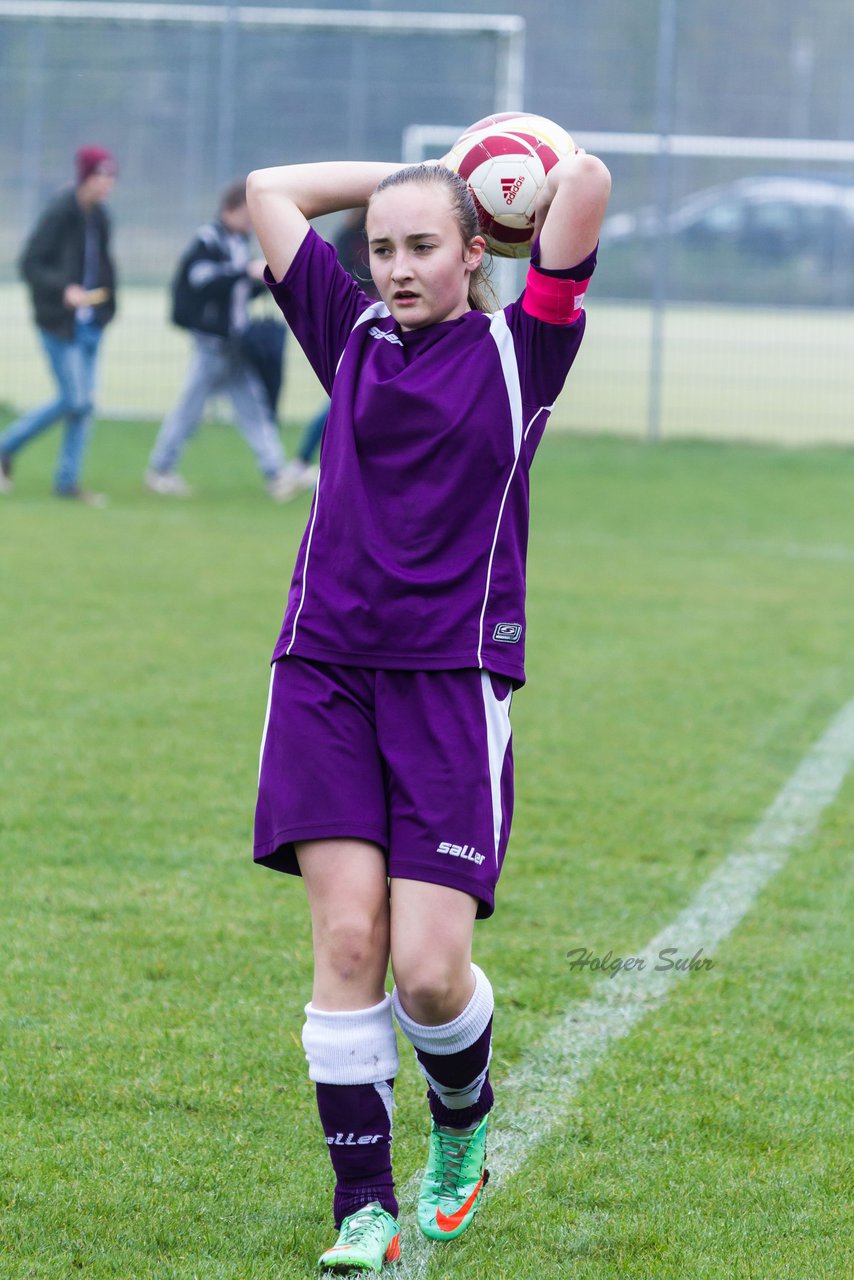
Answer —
296 477
167 483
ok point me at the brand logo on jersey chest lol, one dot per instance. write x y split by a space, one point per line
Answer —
376 332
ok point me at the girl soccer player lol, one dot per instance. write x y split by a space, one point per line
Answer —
386 765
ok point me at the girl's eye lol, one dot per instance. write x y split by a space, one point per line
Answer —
423 248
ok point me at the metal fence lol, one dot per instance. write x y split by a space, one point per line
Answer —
720 308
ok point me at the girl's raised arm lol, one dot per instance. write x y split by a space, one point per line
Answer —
281 201
570 210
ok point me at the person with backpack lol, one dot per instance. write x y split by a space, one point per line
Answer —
214 282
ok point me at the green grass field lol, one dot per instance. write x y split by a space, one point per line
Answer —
691 609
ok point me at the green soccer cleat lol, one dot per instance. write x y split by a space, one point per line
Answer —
368 1239
453 1182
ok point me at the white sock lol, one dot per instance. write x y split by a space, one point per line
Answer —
355 1047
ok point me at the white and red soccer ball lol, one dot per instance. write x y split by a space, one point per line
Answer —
505 159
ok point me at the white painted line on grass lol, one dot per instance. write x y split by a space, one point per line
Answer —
798 550
533 1098
831 551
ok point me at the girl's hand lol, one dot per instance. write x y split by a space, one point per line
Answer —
282 200
74 296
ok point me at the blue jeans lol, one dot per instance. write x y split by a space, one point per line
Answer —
73 364
218 364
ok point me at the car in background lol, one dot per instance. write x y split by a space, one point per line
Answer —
765 239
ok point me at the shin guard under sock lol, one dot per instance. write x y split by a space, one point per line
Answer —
352 1059
454 1057
356 1120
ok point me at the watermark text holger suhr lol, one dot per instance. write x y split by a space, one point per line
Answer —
668 958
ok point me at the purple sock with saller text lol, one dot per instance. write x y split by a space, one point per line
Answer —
356 1121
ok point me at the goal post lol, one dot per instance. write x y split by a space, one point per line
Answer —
191 95
508 30
227 21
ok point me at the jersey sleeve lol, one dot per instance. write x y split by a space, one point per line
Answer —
547 323
321 302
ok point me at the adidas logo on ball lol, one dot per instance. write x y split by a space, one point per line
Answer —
511 187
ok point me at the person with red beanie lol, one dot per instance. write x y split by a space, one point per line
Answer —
72 279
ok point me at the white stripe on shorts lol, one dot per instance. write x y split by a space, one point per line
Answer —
266 720
497 738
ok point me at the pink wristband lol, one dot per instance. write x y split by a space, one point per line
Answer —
553 298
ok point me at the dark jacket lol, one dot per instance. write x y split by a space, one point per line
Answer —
203 289
53 259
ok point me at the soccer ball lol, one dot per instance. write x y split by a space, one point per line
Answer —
505 159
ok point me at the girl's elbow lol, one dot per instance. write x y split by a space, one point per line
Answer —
584 181
596 176
595 186
257 183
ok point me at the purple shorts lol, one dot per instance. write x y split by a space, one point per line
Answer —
417 762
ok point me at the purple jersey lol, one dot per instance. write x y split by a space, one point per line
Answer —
414 553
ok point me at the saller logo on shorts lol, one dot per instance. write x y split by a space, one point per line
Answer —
508 632
465 851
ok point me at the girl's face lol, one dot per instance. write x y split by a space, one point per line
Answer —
418 260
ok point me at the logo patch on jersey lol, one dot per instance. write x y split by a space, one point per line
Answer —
508 632
376 332
467 852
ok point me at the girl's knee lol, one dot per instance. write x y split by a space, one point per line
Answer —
432 989
351 944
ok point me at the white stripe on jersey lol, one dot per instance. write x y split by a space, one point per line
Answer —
497 738
544 408
377 311
503 338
